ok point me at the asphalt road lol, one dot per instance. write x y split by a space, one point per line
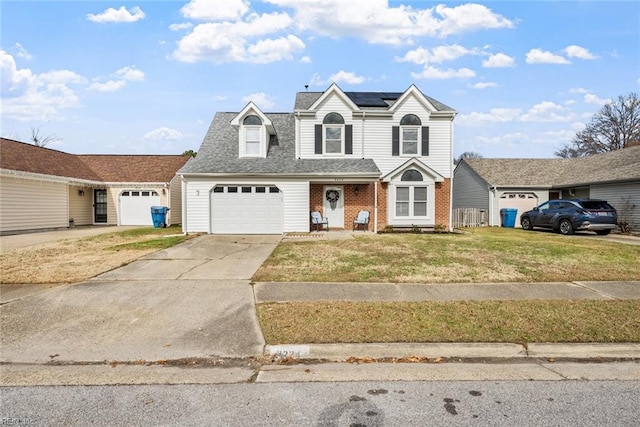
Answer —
521 403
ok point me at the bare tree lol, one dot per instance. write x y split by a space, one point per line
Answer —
614 127
42 141
468 155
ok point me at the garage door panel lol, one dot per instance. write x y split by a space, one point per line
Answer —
520 201
246 212
135 207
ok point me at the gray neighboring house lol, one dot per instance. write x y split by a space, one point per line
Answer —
493 184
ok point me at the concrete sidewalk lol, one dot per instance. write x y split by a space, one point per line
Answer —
296 291
24 240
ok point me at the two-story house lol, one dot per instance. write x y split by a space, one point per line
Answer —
389 153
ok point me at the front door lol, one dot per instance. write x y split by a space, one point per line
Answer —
99 206
333 205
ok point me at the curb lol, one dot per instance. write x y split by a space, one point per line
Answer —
341 352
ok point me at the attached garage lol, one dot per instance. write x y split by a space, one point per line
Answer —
135 206
246 209
520 201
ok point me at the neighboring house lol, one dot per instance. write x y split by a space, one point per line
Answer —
44 189
493 184
336 153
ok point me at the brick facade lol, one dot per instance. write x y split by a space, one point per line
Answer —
364 200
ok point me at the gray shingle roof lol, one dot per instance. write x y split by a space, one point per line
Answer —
218 153
364 100
620 165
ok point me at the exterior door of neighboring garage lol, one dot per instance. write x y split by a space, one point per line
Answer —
135 206
520 201
246 209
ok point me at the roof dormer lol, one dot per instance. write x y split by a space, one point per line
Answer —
254 131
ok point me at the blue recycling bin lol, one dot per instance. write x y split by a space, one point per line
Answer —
159 216
508 217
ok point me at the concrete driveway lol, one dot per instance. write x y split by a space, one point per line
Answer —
191 300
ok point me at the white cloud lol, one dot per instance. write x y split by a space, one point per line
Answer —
117 15
305 60
268 50
588 97
39 97
180 27
538 56
21 52
347 77
122 76
436 55
207 10
220 98
376 22
580 52
163 134
547 111
261 99
130 73
433 73
495 115
109 86
227 41
484 85
499 60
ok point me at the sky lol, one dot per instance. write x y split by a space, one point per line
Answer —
147 77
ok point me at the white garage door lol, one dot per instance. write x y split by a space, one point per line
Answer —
520 201
135 206
237 209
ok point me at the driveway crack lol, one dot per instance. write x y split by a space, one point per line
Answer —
597 291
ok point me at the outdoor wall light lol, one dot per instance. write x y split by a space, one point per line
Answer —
80 193
164 191
356 190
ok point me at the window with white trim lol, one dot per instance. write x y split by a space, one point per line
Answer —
410 128
252 132
411 199
333 134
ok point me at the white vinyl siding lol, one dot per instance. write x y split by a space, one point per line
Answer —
377 135
32 204
175 201
81 205
625 197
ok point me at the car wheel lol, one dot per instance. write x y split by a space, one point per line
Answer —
525 222
602 232
565 227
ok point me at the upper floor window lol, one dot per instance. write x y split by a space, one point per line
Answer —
252 128
410 134
410 138
333 125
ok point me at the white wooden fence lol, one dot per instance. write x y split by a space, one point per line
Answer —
470 217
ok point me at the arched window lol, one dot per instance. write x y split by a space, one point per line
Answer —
252 130
411 175
410 134
252 121
333 135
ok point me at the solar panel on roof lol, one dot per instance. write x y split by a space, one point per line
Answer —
372 99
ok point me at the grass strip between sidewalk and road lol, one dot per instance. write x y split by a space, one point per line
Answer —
470 321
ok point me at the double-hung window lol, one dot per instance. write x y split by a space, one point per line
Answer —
252 128
411 199
410 135
333 135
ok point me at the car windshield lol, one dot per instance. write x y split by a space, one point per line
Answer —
595 204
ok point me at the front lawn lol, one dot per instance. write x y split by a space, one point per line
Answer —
477 255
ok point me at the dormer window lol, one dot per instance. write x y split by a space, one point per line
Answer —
252 130
333 125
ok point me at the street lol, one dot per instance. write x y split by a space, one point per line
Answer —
499 403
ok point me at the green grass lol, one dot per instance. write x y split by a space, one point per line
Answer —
478 255
473 321
162 243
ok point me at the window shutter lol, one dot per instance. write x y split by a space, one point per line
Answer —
425 140
318 149
348 139
395 141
